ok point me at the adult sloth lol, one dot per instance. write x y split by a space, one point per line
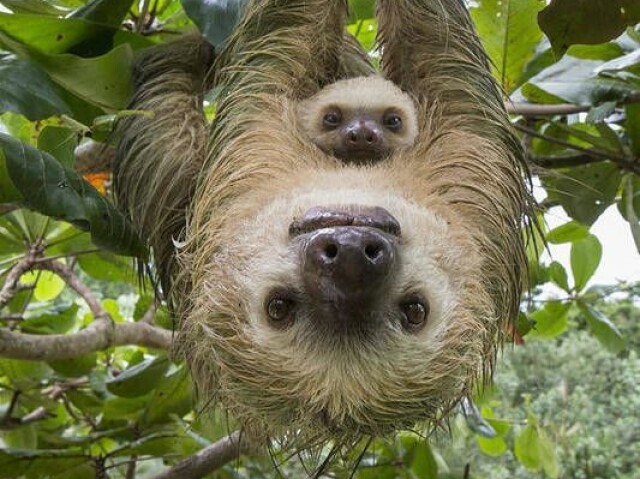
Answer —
320 299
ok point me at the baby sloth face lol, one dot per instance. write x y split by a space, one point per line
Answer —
359 120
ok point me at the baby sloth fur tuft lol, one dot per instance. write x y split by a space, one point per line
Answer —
318 298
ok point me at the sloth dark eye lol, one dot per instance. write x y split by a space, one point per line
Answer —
392 121
279 306
332 119
415 311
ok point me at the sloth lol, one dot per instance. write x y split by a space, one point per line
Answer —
360 119
320 300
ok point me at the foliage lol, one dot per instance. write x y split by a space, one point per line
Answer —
86 387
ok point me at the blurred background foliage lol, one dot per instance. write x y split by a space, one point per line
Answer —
566 399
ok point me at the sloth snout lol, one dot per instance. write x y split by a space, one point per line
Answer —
347 266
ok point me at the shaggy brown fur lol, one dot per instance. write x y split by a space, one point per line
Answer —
458 195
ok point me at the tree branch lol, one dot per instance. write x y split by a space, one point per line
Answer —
621 161
208 459
535 110
100 335
553 162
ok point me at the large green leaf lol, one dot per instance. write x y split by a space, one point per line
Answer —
48 34
173 396
577 80
602 328
40 183
41 7
139 379
105 12
58 321
39 463
103 81
549 321
509 34
584 192
216 19
567 233
585 258
633 126
527 448
568 22
39 101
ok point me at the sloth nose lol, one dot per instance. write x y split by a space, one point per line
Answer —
347 266
362 134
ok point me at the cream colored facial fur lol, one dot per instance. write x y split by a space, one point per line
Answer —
372 96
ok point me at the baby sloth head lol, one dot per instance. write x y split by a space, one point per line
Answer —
360 119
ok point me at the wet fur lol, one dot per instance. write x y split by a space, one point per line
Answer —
458 193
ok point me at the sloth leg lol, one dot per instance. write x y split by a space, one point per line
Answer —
160 152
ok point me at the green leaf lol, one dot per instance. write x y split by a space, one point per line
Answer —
509 35
424 463
558 275
576 80
602 328
41 100
632 124
492 447
48 285
39 462
584 191
76 367
629 206
59 142
103 81
46 186
585 258
107 266
48 34
361 9
41 7
527 448
139 379
160 444
550 321
172 397
216 19
567 22
547 454
567 233
58 321
105 12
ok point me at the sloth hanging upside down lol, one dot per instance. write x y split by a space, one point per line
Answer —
321 297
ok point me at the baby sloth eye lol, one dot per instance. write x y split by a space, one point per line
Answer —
415 311
392 121
332 119
279 306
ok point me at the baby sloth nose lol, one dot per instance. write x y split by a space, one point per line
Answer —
362 134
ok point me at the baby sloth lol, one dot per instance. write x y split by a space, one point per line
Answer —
360 119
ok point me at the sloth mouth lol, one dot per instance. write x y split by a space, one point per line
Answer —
356 215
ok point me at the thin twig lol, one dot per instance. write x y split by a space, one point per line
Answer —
208 459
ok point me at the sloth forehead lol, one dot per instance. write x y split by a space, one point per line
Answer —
364 93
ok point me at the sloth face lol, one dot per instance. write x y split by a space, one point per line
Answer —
341 310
